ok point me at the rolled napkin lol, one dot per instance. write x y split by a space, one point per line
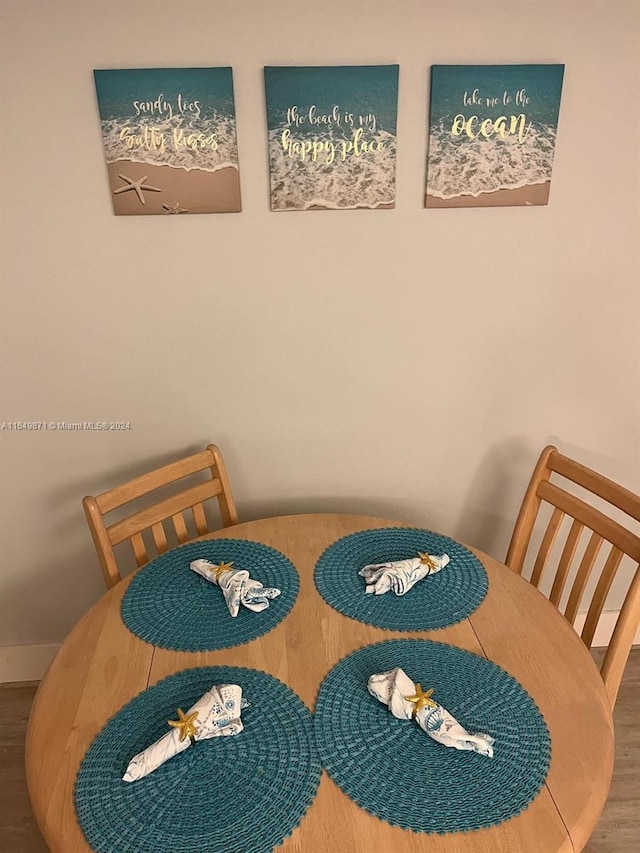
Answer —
236 585
401 575
216 714
407 700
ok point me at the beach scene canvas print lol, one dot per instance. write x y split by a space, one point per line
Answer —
170 140
492 134
332 136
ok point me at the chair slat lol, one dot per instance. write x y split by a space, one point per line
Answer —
622 639
523 529
592 518
180 528
101 541
174 505
226 503
200 519
600 595
139 549
546 545
582 577
159 537
146 483
568 553
606 489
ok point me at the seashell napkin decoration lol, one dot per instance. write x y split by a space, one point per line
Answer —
236 585
401 575
407 701
216 714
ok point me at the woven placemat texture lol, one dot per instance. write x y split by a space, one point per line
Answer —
240 794
434 602
168 605
394 770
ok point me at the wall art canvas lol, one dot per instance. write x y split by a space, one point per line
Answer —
492 134
170 140
332 136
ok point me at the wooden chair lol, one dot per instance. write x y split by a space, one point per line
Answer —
603 529
152 518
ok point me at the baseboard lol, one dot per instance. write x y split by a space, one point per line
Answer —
29 663
26 663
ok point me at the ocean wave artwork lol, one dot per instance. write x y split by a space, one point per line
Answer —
209 144
492 134
169 137
332 136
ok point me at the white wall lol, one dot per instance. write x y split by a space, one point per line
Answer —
406 363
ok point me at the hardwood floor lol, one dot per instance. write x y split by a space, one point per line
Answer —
617 832
18 830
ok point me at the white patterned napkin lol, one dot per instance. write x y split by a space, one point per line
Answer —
216 714
406 701
236 585
401 575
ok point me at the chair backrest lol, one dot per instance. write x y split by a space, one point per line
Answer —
152 518
603 529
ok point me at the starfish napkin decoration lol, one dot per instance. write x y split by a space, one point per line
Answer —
185 724
138 186
426 560
223 567
421 700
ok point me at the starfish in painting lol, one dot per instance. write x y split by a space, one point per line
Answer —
137 186
175 208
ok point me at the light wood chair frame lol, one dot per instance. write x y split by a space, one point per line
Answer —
105 537
603 529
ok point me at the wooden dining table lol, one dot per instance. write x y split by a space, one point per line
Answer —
101 665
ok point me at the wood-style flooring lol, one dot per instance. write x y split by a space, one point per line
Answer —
617 832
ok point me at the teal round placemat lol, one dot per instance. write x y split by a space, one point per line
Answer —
168 605
224 795
434 602
394 770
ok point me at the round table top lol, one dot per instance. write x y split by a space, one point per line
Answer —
101 665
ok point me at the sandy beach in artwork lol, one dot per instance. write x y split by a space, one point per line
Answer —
528 196
180 191
389 206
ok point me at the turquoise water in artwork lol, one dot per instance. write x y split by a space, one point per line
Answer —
183 117
359 89
332 135
513 152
